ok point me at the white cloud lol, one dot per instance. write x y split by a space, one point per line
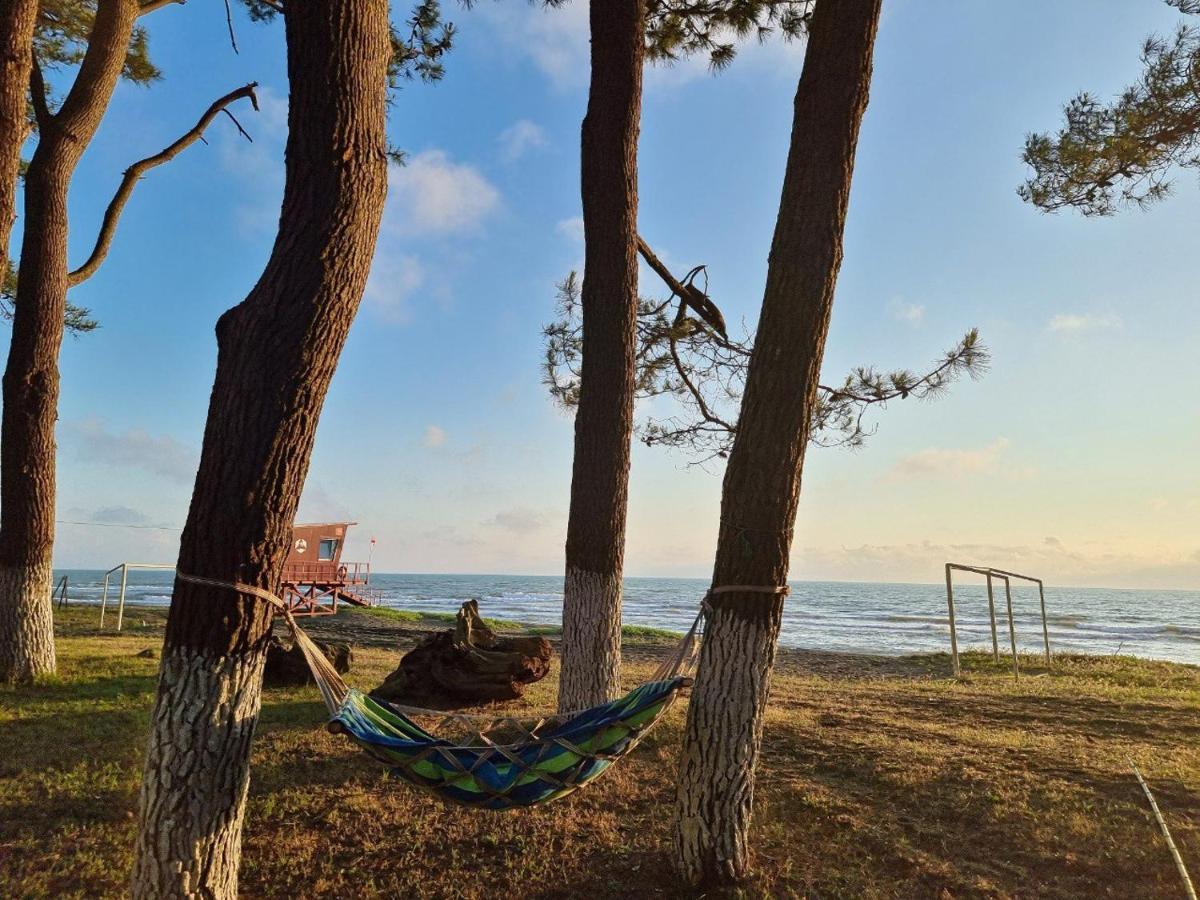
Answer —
135 448
554 40
1073 322
936 461
572 228
520 138
904 311
395 277
434 436
518 520
433 195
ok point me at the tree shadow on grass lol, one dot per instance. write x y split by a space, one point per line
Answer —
1032 826
1162 724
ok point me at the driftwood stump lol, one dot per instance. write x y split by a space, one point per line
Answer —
466 665
286 665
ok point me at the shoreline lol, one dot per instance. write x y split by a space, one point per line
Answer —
401 629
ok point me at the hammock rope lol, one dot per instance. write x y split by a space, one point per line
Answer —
504 762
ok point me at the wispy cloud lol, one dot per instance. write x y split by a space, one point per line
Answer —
571 228
395 277
1075 322
555 40
430 197
951 463
520 138
1059 562
518 521
905 311
318 504
434 436
136 449
258 165
434 196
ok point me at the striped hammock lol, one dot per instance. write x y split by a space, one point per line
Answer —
549 760
503 762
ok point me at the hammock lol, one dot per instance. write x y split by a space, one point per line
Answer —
497 762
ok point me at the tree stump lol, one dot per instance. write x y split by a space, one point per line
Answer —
468 664
287 667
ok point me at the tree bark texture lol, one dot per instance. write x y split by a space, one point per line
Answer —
762 482
591 649
277 351
17 21
31 380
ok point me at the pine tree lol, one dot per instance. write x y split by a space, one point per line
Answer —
276 354
624 33
115 46
591 645
761 490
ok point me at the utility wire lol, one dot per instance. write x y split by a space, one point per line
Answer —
118 525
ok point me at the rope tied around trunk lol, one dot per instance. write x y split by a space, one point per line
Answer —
329 682
683 658
502 761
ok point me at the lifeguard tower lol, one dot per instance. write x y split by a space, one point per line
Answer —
316 579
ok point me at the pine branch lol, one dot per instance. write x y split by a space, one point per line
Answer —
687 359
1106 155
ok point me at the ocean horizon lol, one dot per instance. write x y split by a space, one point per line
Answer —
885 618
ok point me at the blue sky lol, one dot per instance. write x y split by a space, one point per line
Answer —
1073 459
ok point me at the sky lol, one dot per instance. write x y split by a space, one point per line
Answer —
1073 459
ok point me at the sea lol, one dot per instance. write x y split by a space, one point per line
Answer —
887 619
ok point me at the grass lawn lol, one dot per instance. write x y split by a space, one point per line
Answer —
879 778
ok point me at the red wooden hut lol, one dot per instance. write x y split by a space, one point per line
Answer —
316 578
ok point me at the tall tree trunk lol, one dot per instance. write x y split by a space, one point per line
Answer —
591 648
277 351
17 21
762 483
30 386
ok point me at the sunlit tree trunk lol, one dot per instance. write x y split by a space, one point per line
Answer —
17 20
591 648
277 351
762 483
31 381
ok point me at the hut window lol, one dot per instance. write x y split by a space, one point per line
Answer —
327 550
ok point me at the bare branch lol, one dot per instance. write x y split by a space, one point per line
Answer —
229 22
37 91
151 5
688 293
238 125
113 213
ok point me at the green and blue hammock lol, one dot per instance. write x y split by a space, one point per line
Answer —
551 759
503 762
